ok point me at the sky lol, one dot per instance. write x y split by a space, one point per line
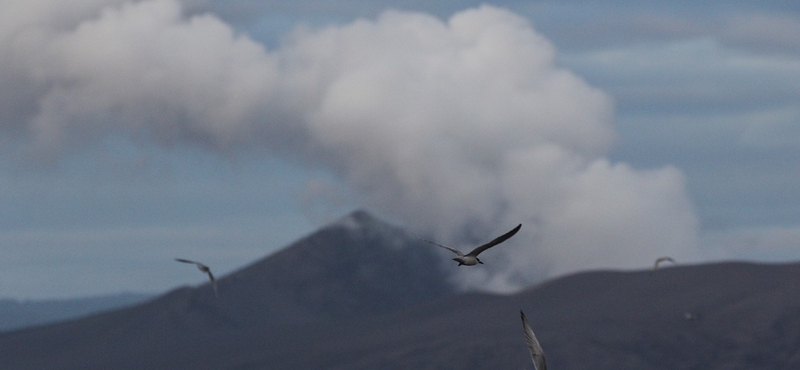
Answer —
134 132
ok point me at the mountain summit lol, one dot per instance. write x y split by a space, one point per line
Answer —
357 266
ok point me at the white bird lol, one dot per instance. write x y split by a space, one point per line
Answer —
537 354
662 259
205 269
471 258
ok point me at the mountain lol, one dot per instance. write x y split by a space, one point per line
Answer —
356 267
360 294
747 316
15 314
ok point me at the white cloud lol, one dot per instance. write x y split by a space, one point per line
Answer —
19 16
468 126
462 128
143 69
724 114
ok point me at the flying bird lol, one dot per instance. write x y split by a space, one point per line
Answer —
205 269
471 258
537 354
662 259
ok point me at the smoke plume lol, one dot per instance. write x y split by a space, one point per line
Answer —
461 128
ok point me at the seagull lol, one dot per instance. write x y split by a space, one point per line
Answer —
662 259
537 354
471 258
205 269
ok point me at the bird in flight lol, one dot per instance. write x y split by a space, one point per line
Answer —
205 269
537 354
662 259
471 258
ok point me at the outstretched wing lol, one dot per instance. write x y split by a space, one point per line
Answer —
662 259
494 242
205 269
537 354
199 265
456 251
213 282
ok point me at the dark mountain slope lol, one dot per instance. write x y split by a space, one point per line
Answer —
16 314
636 320
748 317
356 267
359 295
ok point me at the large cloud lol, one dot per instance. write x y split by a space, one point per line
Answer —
460 128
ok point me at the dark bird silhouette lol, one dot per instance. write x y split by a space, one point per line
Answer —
205 269
659 260
471 258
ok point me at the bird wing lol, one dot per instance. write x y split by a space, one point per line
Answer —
537 354
494 242
456 251
199 265
213 282
662 259
205 269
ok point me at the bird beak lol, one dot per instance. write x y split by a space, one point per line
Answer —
479 261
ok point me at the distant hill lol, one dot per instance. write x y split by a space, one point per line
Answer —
356 267
360 294
15 314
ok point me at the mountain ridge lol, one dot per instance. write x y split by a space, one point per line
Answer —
371 297
17 314
356 266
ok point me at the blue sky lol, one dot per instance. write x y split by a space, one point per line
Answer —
135 132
